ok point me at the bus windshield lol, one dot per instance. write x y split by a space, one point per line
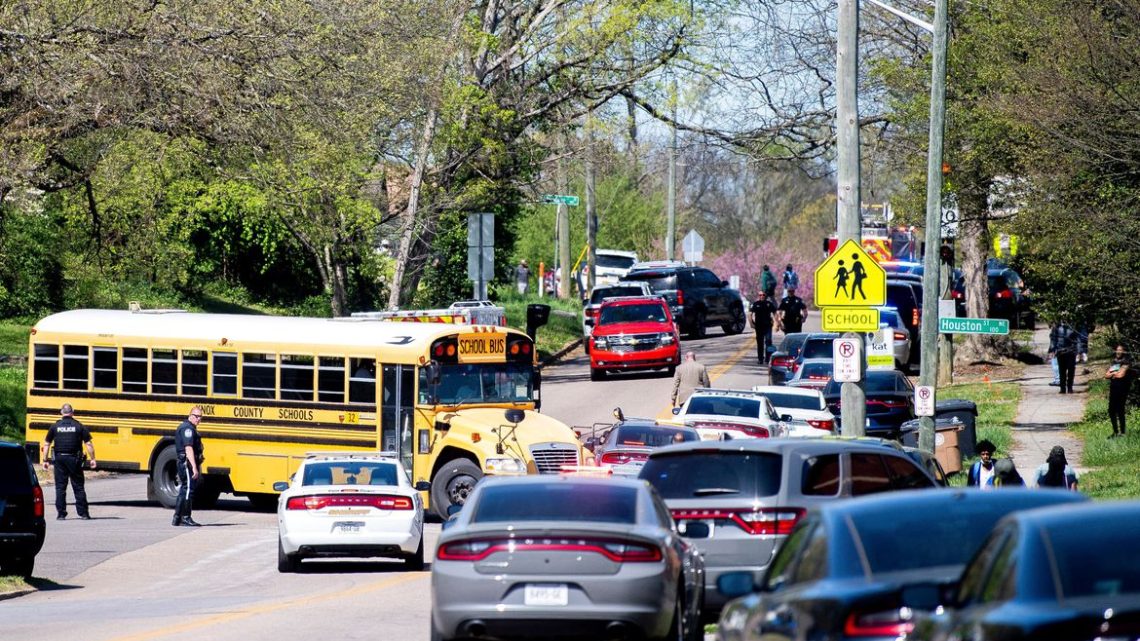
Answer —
481 383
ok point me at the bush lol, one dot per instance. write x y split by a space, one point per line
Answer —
13 402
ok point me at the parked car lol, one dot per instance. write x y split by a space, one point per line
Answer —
22 527
805 408
782 365
1009 298
842 572
634 333
350 505
817 345
1064 572
532 556
610 266
889 317
813 373
905 296
602 292
726 413
890 401
626 446
749 494
697 297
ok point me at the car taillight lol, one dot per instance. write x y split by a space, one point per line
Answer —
892 623
822 425
680 298
37 501
915 317
819 377
899 336
620 458
616 550
781 361
321 501
762 521
1004 294
958 294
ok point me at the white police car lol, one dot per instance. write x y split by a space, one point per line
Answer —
359 504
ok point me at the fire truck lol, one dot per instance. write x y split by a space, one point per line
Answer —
883 242
468 312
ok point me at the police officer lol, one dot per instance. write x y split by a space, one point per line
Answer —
763 313
792 312
188 444
69 436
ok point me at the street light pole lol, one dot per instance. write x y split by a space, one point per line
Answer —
932 261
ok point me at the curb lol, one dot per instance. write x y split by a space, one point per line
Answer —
553 358
17 593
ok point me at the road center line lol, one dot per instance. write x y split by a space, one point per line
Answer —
270 607
715 373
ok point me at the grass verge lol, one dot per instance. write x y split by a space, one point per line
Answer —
13 402
1115 463
565 322
997 408
13 584
14 338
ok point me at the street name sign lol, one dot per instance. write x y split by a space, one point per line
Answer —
850 319
850 278
924 400
557 199
973 326
848 354
881 349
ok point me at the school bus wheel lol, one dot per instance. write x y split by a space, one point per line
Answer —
452 484
164 477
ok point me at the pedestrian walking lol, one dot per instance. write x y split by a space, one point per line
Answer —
1119 380
763 317
1006 474
1056 472
791 280
768 283
792 312
982 472
70 437
188 444
522 277
1063 345
688 377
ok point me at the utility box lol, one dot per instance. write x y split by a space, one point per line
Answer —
965 412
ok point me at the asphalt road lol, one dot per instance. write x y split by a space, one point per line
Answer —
128 575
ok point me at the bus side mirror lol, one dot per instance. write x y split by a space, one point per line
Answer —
432 369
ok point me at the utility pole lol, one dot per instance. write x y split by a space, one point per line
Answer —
849 223
671 197
932 261
591 212
563 225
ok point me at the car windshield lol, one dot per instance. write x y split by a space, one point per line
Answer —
687 475
482 383
635 313
14 473
874 382
818 348
817 370
350 473
610 292
556 501
794 401
1085 566
724 406
891 318
792 344
610 261
651 436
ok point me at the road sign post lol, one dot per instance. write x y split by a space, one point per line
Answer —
559 199
924 400
481 251
973 326
693 247
848 356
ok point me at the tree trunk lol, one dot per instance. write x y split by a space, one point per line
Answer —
334 284
973 236
408 231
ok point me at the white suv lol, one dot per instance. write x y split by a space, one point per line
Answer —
611 266
601 293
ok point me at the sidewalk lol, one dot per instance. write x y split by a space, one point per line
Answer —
1043 415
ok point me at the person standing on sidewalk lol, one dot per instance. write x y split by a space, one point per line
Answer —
522 277
982 472
70 437
1056 472
768 283
791 280
1063 345
1119 379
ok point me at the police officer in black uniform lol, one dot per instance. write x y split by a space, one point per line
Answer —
69 437
188 444
763 316
793 312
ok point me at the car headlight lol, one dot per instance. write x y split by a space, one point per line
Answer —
505 466
601 343
666 338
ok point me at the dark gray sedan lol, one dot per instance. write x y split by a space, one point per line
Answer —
565 557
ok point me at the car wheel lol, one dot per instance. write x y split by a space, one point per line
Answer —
286 564
415 563
586 345
452 485
737 325
698 328
597 374
164 477
671 370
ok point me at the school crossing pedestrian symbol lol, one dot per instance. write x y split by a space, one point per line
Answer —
850 278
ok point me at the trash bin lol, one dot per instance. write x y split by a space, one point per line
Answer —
946 448
909 429
967 413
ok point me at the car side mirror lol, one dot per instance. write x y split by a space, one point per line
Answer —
787 418
423 486
735 584
280 486
676 411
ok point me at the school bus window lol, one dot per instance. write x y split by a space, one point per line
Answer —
330 379
46 372
134 370
225 374
163 371
194 372
105 368
296 377
362 384
258 376
75 362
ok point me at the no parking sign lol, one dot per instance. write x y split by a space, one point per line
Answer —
924 400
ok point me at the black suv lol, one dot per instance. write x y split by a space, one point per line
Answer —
21 511
697 297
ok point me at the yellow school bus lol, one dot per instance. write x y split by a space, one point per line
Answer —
455 401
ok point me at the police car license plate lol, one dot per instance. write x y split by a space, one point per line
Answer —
546 594
348 526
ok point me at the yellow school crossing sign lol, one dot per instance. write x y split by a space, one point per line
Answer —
850 278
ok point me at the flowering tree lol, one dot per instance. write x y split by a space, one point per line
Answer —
746 258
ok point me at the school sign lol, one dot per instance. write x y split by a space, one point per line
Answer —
849 285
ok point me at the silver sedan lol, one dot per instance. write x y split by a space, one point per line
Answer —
565 557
